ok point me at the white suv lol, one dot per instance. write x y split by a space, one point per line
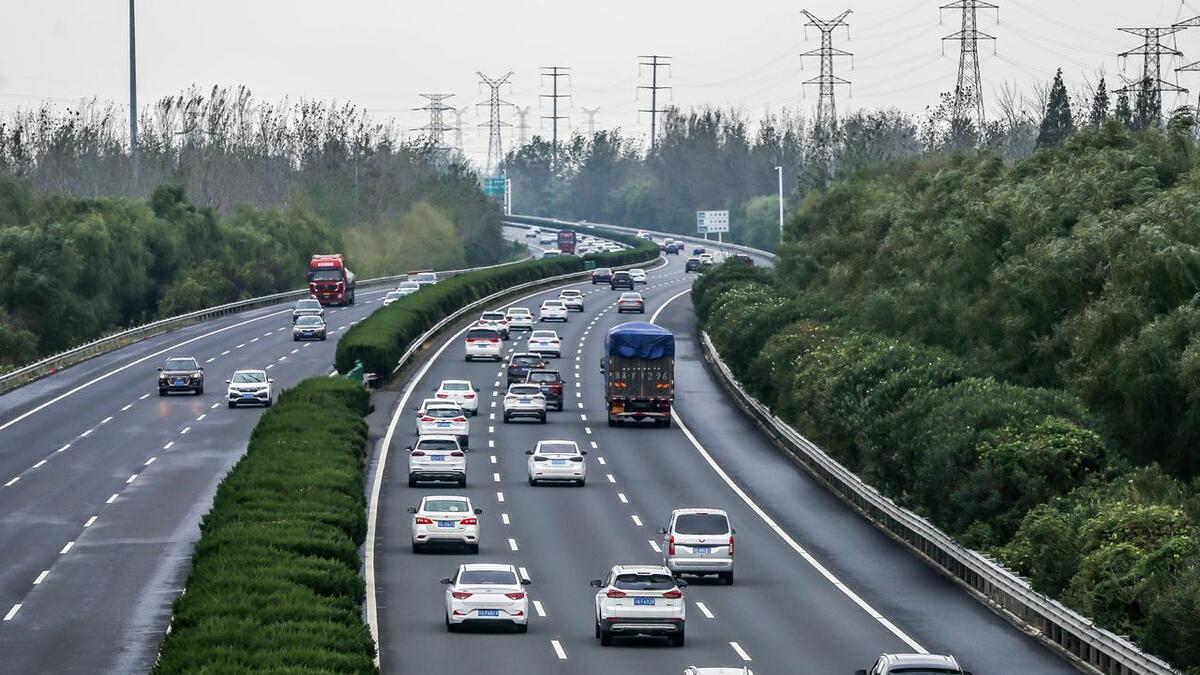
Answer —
444 417
557 461
460 392
640 600
553 310
545 342
495 320
519 318
699 541
524 400
249 386
486 594
484 343
445 519
572 298
437 458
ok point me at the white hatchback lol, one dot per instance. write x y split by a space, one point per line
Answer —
445 519
437 458
545 342
486 594
557 461
519 318
640 600
461 392
441 416
639 276
553 310
572 298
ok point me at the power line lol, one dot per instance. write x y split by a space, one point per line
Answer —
1195 65
654 63
554 73
494 124
826 81
436 128
968 91
591 123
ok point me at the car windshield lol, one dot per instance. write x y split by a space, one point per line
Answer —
644 582
443 412
446 506
436 444
701 523
524 391
308 304
482 334
484 577
526 360
631 296
309 321
544 334
543 377
325 275
456 386
257 377
180 364
558 448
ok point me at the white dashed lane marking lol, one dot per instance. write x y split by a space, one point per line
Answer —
704 610
740 652
654 545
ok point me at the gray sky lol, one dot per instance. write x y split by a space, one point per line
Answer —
381 53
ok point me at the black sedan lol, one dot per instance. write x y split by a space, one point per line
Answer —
601 275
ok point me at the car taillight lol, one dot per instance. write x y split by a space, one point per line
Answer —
469 521
427 418
671 545
515 596
614 593
457 453
440 395
460 419
468 396
418 453
494 340
730 546
539 458
673 594
460 595
422 520
576 459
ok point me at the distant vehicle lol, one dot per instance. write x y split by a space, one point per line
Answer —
601 275
329 280
423 279
742 259
547 238
408 287
697 250
483 594
496 321
181 374
557 461
566 241
551 385
445 520
550 253
249 386
546 343
519 318
461 392
309 307
921 664
533 232
642 234
483 343
639 276
572 298
699 541
520 364
392 296
672 249
621 280
437 458
552 310
643 600
692 265
444 417
524 401
310 327
631 302
639 373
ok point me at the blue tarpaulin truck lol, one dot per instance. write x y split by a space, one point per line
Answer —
639 373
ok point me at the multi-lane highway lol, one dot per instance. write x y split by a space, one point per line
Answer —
818 589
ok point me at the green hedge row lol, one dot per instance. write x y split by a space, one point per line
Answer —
380 340
275 583
1020 472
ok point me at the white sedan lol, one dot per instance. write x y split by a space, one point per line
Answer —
545 342
572 298
437 458
639 276
557 461
249 386
519 318
445 519
486 594
524 400
442 416
391 297
552 310
460 392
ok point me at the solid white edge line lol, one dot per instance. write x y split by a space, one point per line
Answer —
770 522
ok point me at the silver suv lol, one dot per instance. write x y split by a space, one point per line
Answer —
916 664
699 541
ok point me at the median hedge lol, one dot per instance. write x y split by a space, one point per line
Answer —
275 583
380 339
1020 472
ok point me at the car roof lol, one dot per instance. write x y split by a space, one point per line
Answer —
920 660
679 512
635 569
629 293
457 498
249 370
437 437
570 291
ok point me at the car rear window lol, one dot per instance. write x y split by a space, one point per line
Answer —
701 523
487 577
455 386
568 448
602 270
644 582
570 294
552 303
492 316
526 360
518 310
446 506
308 304
549 334
543 377
436 444
630 296
443 413
524 391
482 334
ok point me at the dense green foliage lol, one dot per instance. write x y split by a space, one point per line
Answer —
274 585
381 339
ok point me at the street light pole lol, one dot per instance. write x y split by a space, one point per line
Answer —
779 170
133 109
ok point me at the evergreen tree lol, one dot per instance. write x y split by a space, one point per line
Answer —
1148 109
1058 122
1124 113
1099 105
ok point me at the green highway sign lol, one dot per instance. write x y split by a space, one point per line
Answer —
494 186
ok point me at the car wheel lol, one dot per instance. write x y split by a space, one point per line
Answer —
162 392
677 639
532 482
612 422
666 422
200 390
462 482
522 628
597 628
322 338
580 483
232 405
473 549
295 339
467 359
269 403
605 638
542 419
450 628
727 577
416 548
412 481
506 419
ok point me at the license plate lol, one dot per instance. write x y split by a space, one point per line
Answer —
443 425
177 382
644 601
701 550
525 401
247 395
445 523
489 612
558 462
437 458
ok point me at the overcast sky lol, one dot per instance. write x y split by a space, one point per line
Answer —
381 54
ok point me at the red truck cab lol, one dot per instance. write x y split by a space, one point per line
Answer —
566 242
329 280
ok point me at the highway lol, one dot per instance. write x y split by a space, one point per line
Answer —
819 590
103 485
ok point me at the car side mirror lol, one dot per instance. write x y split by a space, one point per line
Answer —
595 583
479 512
662 530
159 370
860 671
733 530
201 369
583 452
412 509
681 583
476 389
226 381
525 582
529 452
446 581
408 448
270 380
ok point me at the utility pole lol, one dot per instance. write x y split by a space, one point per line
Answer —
494 123
554 73
653 62
458 129
591 123
779 170
522 125
1195 65
1152 51
134 155
436 129
968 91
826 81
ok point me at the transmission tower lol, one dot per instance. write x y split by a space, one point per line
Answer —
826 81
1152 51
968 91
436 129
458 132
653 62
554 73
522 125
494 123
1195 65
591 123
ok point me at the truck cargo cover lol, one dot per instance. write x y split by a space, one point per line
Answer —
640 340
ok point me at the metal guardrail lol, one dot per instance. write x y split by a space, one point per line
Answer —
1063 629
55 363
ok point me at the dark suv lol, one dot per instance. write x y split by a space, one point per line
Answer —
693 265
551 385
672 249
601 275
519 365
180 374
621 280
